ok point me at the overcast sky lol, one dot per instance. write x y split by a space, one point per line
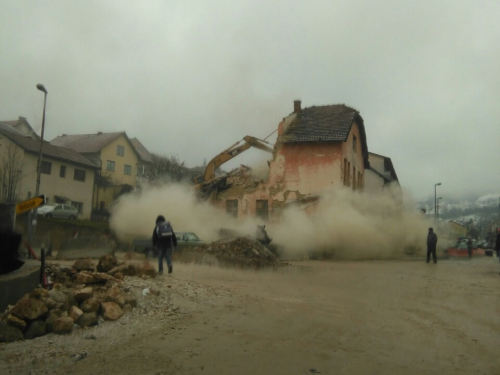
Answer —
190 78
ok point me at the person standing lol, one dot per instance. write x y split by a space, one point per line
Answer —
431 245
469 247
164 240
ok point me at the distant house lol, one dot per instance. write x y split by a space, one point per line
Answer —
66 176
116 157
316 148
381 174
456 229
22 126
145 160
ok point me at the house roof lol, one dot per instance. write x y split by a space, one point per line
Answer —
388 166
141 150
329 123
15 125
86 143
33 146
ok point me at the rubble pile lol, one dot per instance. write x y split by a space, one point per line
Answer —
241 251
82 296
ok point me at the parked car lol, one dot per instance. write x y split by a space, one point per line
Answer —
58 210
484 244
184 240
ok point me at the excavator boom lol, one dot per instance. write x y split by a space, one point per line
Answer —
230 153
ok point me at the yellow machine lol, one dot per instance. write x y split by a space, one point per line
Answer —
228 154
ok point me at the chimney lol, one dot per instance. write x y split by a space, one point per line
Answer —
99 133
296 106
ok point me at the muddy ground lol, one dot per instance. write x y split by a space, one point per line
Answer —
380 317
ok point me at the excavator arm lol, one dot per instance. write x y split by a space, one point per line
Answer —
230 153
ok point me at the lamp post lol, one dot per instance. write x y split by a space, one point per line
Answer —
435 199
437 208
39 164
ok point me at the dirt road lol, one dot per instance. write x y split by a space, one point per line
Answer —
381 317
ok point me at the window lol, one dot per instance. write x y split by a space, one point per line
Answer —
79 175
110 166
348 173
345 172
262 209
120 150
354 143
127 169
46 167
353 178
232 207
62 171
140 170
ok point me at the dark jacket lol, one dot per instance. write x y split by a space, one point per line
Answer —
163 243
498 241
432 239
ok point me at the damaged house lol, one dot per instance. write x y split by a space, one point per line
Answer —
316 148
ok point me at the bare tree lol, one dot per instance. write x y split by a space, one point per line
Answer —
11 171
166 169
103 179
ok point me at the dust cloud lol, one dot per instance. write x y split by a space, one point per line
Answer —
345 224
350 225
134 215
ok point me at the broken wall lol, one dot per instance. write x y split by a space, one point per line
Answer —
298 172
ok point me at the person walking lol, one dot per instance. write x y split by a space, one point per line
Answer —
469 247
164 240
432 240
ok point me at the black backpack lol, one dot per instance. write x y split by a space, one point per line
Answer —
164 229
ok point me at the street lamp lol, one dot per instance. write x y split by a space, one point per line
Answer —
437 207
39 164
435 199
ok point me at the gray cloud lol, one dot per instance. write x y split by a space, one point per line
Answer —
190 78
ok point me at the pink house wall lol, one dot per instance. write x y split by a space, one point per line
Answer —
299 170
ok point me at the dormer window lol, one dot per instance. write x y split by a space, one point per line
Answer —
120 150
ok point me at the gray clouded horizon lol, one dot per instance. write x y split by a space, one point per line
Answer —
190 78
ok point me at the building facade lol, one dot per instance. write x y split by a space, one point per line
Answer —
317 148
66 176
116 157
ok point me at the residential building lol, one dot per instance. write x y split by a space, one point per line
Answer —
145 160
455 229
66 176
381 175
22 125
317 148
116 157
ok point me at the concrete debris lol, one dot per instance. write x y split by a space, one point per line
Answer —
107 263
84 265
80 295
111 311
75 313
63 325
29 309
241 251
9 333
14 321
237 177
36 329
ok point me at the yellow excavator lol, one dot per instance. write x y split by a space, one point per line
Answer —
228 154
